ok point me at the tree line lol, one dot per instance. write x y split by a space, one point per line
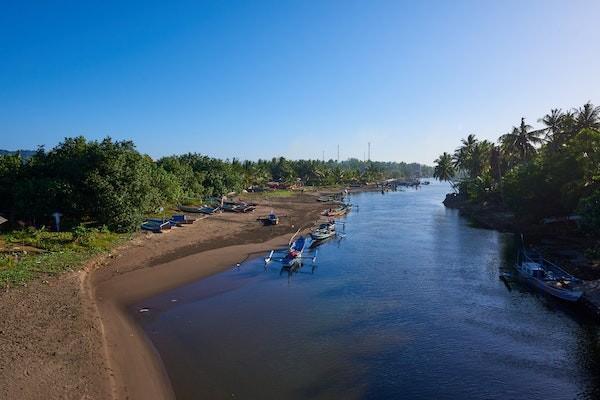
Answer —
111 183
537 173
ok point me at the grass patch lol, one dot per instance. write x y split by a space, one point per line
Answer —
29 253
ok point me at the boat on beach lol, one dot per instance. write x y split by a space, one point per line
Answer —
238 207
182 219
272 219
201 210
156 225
548 277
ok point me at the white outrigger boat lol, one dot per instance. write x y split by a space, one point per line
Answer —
324 231
548 277
292 259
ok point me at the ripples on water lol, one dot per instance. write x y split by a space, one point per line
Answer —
408 305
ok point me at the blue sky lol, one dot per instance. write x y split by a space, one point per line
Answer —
252 79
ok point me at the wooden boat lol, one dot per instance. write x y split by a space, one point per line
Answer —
182 219
294 255
337 212
548 277
323 231
200 210
273 219
238 207
156 226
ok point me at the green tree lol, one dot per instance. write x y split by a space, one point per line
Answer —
444 168
521 141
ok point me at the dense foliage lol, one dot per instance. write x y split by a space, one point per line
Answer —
110 183
537 173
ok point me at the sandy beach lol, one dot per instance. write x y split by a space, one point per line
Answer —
71 336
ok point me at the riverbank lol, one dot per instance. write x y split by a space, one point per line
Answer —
560 241
70 336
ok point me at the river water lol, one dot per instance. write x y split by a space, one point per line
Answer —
408 305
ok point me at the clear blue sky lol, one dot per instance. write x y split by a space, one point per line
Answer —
252 79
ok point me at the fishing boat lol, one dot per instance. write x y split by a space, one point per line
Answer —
323 231
337 212
272 219
200 210
548 277
294 255
292 258
238 207
182 219
156 226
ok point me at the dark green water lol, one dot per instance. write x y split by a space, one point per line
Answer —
407 306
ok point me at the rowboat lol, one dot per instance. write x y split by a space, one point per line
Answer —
548 277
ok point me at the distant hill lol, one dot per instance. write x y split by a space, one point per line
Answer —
24 153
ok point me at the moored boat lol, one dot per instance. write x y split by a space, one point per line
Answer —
294 256
337 212
548 277
323 231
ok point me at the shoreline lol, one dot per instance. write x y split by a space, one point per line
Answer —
559 241
137 371
71 336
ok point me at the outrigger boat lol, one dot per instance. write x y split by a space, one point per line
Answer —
238 207
337 212
293 257
548 277
202 210
182 219
323 231
272 219
155 225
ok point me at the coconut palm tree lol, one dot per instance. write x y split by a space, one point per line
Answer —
520 142
553 123
444 168
463 155
587 116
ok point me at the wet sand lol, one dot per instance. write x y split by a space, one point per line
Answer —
71 336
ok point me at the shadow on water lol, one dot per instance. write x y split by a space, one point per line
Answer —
409 304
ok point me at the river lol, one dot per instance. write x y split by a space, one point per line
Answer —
408 304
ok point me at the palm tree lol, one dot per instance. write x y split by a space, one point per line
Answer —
520 142
587 116
469 143
554 123
463 155
444 168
